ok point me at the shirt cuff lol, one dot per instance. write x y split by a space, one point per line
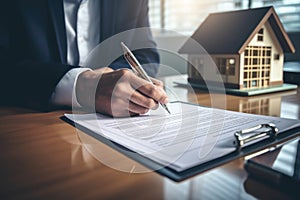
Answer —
65 91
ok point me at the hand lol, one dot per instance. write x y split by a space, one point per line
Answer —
118 93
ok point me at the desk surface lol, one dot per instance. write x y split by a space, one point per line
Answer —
43 157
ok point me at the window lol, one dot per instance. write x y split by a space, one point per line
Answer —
221 64
184 16
226 66
276 56
254 74
260 35
257 107
256 68
255 61
287 10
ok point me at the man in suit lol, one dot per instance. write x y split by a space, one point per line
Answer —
41 54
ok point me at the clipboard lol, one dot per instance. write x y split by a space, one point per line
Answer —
244 146
278 166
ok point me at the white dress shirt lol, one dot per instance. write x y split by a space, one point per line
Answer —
82 20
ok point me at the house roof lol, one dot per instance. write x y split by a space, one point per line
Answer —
230 32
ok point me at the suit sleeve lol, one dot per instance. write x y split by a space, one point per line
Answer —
24 81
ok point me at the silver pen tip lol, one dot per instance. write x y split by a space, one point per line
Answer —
166 108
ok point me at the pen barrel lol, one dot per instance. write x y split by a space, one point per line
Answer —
136 66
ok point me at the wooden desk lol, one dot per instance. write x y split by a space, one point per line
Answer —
43 157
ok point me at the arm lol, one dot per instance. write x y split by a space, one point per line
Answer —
29 75
29 83
118 93
121 93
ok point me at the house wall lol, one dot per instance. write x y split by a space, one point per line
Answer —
241 69
276 71
229 79
199 67
203 69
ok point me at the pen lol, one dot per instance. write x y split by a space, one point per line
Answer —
137 68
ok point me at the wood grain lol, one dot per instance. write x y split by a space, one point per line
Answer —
43 157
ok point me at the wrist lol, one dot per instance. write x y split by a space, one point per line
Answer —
86 87
65 93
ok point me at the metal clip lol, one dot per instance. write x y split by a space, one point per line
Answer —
241 139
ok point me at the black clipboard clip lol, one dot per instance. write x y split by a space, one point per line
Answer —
243 137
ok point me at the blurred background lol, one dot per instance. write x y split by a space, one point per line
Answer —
175 20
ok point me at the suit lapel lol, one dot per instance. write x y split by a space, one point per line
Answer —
57 14
108 19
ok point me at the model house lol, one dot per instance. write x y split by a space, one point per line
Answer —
247 47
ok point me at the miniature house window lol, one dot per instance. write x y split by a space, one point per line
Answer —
260 35
231 66
257 107
226 66
276 56
194 72
201 63
196 66
257 64
254 74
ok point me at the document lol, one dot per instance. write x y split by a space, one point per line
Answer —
189 136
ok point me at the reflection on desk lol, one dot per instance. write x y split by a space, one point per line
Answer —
221 183
42 157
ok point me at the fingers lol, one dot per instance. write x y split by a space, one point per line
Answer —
149 90
122 93
135 108
124 108
133 100
157 82
141 100
153 90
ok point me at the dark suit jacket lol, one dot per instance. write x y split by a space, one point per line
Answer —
33 48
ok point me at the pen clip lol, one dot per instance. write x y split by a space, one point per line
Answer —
134 63
241 137
131 64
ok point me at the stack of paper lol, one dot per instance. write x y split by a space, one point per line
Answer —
190 136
